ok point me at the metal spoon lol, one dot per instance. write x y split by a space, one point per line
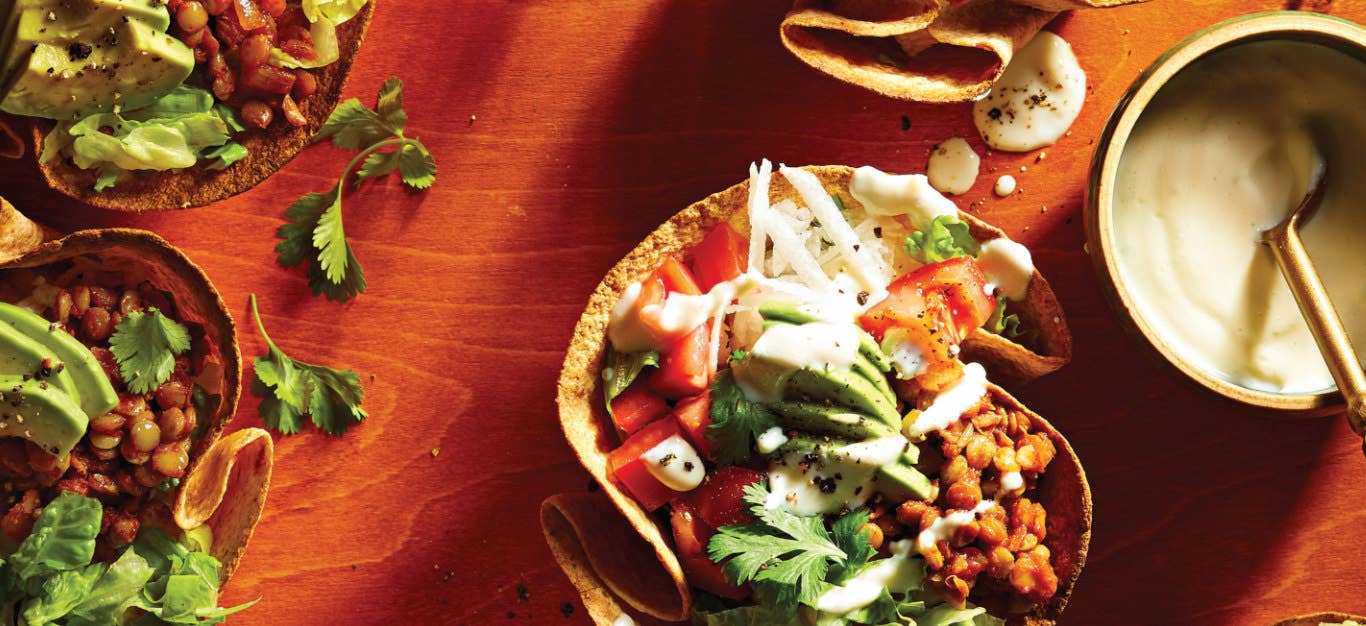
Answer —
1312 297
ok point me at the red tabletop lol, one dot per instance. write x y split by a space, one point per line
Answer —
567 130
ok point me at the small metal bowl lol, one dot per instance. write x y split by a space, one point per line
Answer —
1339 34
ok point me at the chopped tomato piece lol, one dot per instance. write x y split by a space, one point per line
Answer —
677 277
686 368
708 576
690 532
694 416
648 308
935 307
638 406
632 471
722 255
719 500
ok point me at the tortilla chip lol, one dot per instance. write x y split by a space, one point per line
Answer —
1314 619
606 559
229 492
226 489
270 149
926 51
11 146
18 234
581 546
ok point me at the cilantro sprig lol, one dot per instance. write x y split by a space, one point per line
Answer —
292 390
789 556
736 421
145 345
316 235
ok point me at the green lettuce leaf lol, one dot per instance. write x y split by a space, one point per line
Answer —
623 368
172 133
62 593
945 239
63 539
114 593
335 11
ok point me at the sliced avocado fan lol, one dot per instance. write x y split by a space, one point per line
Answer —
92 389
41 413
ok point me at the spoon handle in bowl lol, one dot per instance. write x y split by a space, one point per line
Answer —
1324 323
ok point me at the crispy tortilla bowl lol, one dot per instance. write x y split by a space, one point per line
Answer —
227 478
621 558
922 50
270 148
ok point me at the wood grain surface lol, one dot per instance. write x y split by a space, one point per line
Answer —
565 131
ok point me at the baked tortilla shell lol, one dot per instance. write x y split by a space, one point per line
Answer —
581 546
270 149
227 478
927 52
18 234
1314 619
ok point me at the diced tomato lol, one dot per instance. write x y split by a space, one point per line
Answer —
648 309
939 304
721 256
719 500
686 368
249 15
694 416
632 471
690 532
677 277
638 406
708 576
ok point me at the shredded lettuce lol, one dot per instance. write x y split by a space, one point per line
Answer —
945 239
335 11
324 34
624 367
1008 325
50 579
174 132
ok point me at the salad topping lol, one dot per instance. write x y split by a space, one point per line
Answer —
808 422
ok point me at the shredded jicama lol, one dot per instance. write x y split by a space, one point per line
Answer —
866 270
758 213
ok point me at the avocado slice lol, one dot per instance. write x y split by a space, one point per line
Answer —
813 417
74 58
901 482
94 392
41 413
22 356
844 388
785 313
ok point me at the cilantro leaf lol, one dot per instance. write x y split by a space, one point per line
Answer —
377 164
945 239
315 235
854 543
389 105
736 421
352 126
787 554
622 369
145 345
416 166
291 390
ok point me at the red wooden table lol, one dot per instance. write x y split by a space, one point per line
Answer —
566 131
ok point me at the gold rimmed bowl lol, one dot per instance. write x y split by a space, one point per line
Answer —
1102 237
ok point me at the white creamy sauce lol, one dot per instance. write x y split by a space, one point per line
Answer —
899 194
1008 266
813 346
1012 481
1219 155
943 528
841 477
908 359
950 404
675 463
625 330
1005 185
623 620
681 312
770 440
1036 99
898 573
953 166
